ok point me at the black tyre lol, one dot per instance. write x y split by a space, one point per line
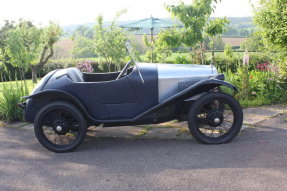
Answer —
60 126
215 118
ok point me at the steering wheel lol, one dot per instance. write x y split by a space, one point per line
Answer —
124 70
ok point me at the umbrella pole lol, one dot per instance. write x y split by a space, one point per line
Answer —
152 45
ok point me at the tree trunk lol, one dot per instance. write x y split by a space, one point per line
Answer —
202 53
245 83
212 52
212 56
34 74
109 67
22 73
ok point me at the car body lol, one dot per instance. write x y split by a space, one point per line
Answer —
146 93
103 99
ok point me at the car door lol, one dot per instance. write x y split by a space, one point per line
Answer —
128 97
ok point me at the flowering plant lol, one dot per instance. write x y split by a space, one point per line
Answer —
266 66
85 66
263 66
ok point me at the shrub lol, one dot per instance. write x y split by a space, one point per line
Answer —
231 63
85 66
182 59
265 85
11 95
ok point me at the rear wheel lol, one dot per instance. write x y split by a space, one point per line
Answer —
215 118
60 126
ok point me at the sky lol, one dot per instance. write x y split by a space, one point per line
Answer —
67 12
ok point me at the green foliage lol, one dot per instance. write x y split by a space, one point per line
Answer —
271 17
240 27
110 42
216 43
214 29
253 43
98 66
170 37
158 49
197 25
182 59
31 47
83 47
11 95
264 87
228 51
4 58
216 26
83 31
226 63
198 55
23 44
195 17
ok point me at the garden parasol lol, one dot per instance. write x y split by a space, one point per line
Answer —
151 23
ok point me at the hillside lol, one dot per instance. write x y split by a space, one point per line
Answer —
238 27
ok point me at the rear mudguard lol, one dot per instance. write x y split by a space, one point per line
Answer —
36 101
45 97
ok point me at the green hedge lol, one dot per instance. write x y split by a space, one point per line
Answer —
225 64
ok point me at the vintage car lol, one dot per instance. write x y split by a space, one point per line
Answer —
67 101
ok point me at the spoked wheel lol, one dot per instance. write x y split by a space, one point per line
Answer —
60 127
215 118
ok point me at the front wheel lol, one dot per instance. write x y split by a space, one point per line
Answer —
60 126
215 118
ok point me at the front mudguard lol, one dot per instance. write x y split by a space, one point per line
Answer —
198 89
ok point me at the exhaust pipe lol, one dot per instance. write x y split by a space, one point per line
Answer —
22 105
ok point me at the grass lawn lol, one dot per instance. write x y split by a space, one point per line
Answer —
30 85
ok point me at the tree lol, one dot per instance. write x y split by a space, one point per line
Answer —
194 17
158 48
48 38
83 30
228 51
83 47
271 17
196 20
253 43
110 42
4 57
31 47
214 28
20 45
217 43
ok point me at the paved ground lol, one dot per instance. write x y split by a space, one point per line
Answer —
254 160
171 130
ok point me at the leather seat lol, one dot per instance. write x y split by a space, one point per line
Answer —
75 75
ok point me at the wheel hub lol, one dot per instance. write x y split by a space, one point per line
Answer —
214 118
60 127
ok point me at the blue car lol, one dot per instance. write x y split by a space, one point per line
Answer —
67 101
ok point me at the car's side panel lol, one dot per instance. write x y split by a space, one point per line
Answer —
120 99
115 92
142 114
146 94
198 88
174 78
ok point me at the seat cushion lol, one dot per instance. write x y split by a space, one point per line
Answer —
75 74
